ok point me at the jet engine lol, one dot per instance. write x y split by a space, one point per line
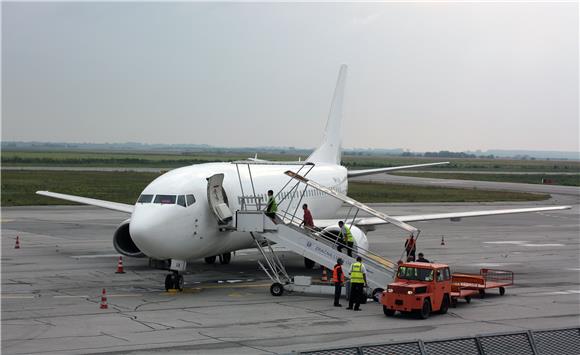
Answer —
360 238
123 243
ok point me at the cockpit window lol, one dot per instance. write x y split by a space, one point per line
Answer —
190 200
145 199
165 199
181 200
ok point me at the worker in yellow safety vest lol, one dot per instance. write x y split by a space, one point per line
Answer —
272 206
346 237
358 280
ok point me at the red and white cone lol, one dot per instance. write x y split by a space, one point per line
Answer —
442 240
17 245
120 269
324 275
104 304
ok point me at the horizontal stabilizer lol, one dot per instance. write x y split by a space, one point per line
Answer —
115 206
355 173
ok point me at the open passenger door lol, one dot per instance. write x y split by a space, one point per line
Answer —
217 199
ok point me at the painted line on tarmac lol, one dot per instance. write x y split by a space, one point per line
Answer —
95 256
9 297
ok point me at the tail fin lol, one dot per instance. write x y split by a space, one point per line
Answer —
329 150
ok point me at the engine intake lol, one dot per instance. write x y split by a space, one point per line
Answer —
124 244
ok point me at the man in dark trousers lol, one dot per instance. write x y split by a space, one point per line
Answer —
410 247
338 280
272 206
308 221
358 280
421 259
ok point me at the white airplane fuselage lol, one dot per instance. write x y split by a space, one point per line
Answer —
171 231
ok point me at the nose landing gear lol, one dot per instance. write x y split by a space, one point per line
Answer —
174 281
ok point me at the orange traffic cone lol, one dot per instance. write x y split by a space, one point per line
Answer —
324 275
442 240
104 304
17 245
120 266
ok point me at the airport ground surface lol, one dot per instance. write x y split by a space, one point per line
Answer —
51 286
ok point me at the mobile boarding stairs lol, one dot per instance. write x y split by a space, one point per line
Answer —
319 246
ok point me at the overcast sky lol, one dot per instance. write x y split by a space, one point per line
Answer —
422 76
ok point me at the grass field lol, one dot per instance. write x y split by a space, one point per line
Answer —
100 159
567 180
19 187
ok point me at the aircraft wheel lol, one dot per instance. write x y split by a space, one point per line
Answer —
210 259
179 282
225 258
502 291
388 312
309 264
168 282
276 289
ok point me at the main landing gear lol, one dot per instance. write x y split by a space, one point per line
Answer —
224 259
174 281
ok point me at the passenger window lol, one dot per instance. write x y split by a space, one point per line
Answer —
190 200
145 199
181 200
165 199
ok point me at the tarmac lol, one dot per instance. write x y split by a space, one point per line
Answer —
51 286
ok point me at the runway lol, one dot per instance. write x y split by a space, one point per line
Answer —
51 286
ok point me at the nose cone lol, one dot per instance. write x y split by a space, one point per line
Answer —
156 232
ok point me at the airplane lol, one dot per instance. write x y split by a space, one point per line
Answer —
183 214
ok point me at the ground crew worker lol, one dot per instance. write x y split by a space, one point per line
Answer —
338 280
272 206
421 259
410 247
346 238
307 221
358 280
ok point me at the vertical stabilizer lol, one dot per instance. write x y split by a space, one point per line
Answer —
329 150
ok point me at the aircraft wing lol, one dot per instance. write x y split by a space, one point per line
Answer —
355 173
115 206
454 216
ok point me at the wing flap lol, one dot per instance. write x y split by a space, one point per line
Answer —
115 206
